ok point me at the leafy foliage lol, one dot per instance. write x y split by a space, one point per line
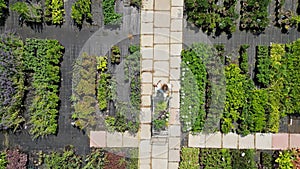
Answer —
132 75
95 160
84 92
194 59
115 55
136 3
285 160
243 60
42 57
285 18
102 63
211 16
81 10
110 16
103 91
67 159
215 158
54 12
29 13
267 160
254 15
3 160
161 116
189 158
189 99
236 97
3 11
12 82
243 158
16 159
264 73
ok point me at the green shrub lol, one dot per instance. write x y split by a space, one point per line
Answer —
133 48
103 91
110 16
81 10
102 63
115 55
3 160
84 92
254 15
3 11
211 16
267 160
215 158
285 160
54 12
135 93
243 60
195 59
12 86
43 58
264 71
243 158
189 158
236 96
29 13
189 100
67 159
95 160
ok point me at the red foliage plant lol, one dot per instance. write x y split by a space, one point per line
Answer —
115 161
296 160
16 159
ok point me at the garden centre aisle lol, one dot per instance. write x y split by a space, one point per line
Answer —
161 45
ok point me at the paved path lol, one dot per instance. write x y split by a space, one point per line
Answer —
263 141
161 45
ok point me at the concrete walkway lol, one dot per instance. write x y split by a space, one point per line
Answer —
262 141
161 45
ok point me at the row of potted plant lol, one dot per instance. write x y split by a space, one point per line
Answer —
42 62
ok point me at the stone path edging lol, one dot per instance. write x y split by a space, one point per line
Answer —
262 141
